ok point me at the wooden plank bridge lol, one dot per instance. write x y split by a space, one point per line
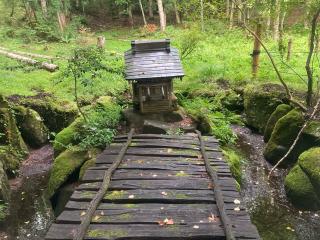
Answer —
159 187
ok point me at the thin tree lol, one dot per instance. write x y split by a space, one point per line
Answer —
202 15
150 9
142 12
162 16
276 22
176 10
312 46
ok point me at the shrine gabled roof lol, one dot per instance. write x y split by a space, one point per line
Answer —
152 59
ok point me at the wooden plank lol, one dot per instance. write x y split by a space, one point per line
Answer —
139 232
180 214
106 158
183 184
150 216
159 196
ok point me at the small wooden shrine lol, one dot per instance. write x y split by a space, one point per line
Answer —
150 67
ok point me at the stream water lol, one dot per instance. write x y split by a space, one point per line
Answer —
274 216
31 214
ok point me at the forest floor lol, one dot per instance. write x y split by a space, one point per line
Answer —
220 54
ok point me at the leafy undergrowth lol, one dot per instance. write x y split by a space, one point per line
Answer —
216 118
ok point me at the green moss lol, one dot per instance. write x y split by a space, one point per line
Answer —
260 102
280 111
85 166
300 190
309 162
106 234
182 174
130 205
64 165
56 114
12 147
235 163
4 186
67 136
115 195
3 211
282 137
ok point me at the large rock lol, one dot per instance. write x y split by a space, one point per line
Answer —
67 137
309 162
260 102
284 134
282 137
136 119
303 181
4 186
32 128
155 127
280 111
64 166
12 147
56 114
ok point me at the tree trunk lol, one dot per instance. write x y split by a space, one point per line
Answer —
142 12
289 49
101 41
276 22
306 15
61 20
130 15
176 10
44 9
202 15
13 4
256 51
150 9
310 55
227 8
283 18
161 15
239 12
44 65
231 15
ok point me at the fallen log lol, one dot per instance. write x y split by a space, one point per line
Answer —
35 55
44 65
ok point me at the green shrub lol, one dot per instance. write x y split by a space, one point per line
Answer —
217 116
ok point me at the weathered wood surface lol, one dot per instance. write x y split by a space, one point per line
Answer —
160 177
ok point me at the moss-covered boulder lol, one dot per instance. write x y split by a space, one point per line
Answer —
284 134
55 114
67 136
31 126
280 111
12 147
300 191
66 164
282 137
260 102
88 164
4 186
309 162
